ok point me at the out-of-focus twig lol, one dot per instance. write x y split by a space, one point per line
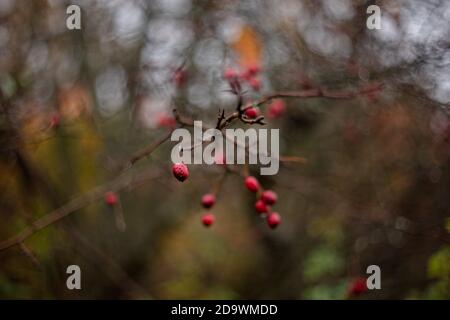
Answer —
121 182
322 93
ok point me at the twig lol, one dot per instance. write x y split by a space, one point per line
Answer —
123 181
58 214
30 255
146 151
322 93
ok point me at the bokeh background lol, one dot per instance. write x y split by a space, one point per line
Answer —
374 189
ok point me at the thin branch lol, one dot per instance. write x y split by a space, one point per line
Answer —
123 181
258 120
146 151
322 93
30 255
79 202
220 118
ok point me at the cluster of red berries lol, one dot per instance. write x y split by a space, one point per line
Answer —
208 201
275 110
263 205
181 173
250 75
265 202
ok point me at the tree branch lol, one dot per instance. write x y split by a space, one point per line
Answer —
56 215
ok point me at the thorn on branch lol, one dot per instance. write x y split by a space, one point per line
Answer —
258 120
220 118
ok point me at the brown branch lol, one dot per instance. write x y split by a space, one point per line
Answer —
30 255
220 118
322 93
114 270
145 151
228 120
79 202
258 120
122 181
295 159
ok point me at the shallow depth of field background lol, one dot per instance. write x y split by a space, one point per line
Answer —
375 188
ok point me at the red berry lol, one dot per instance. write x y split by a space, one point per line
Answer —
255 83
208 200
357 287
273 220
208 219
276 108
180 171
251 112
111 198
260 206
269 197
250 72
253 69
165 121
230 74
252 184
55 120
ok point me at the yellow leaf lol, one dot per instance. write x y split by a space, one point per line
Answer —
248 47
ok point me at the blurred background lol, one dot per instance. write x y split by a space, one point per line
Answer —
373 189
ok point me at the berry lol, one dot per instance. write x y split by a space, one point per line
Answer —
251 112
255 83
252 184
165 121
276 109
269 197
55 120
273 220
111 198
250 72
208 200
260 206
180 171
253 69
208 219
357 287
230 74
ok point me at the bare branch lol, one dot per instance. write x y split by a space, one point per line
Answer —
56 215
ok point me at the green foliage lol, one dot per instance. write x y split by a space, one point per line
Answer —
439 272
322 262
